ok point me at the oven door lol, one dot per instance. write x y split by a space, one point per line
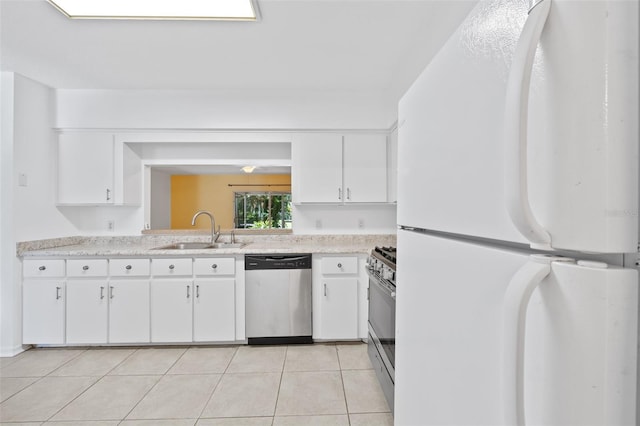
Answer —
382 317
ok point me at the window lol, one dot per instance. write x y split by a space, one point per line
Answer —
261 210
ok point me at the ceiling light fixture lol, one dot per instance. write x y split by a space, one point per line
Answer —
248 169
227 10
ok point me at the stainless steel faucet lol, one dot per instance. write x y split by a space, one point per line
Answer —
214 234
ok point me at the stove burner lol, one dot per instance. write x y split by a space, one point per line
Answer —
387 253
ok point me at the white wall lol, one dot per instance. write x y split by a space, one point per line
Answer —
34 153
9 327
160 209
222 109
27 212
344 219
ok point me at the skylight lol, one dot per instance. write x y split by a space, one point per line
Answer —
231 10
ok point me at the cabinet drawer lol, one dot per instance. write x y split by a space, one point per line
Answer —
340 265
43 268
171 267
129 267
87 268
215 266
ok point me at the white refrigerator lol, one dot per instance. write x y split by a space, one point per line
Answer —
517 288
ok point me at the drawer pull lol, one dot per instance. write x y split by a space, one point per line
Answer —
101 292
110 292
85 268
42 268
340 265
197 292
128 267
214 266
58 292
172 267
188 291
325 290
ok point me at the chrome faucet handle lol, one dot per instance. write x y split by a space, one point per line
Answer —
233 236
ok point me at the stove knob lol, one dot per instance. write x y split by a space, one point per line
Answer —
387 273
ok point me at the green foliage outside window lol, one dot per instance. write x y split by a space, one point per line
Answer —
262 210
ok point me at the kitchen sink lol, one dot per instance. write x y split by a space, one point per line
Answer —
199 246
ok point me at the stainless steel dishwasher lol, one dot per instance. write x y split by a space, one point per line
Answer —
278 298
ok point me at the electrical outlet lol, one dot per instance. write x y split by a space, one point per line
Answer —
111 225
318 224
22 179
361 223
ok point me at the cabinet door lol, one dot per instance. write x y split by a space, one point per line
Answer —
43 312
319 167
86 168
171 310
339 308
392 162
129 311
214 310
365 168
86 315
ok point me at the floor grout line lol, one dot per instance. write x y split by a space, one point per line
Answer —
194 372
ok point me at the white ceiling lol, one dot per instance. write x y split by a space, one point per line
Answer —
355 45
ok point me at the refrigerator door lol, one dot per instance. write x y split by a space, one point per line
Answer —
581 154
578 352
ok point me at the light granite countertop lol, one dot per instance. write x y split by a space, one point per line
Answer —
146 245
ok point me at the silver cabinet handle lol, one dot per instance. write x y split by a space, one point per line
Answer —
101 292
325 289
172 267
42 268
188 291
214 266
108 194
58 292
110 292
348 193
128 267
85 268
340 265
197 292
339 193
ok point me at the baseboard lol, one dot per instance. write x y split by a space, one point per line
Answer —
10 352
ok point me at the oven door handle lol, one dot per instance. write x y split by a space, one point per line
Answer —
387 290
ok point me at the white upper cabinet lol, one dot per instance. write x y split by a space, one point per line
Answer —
332 168
86 168
365 168
392 161
97 169
318 162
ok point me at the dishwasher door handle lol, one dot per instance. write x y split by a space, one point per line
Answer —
277 258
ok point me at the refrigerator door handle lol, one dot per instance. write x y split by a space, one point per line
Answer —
516 301
515 129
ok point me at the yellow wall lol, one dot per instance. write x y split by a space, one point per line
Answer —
190 193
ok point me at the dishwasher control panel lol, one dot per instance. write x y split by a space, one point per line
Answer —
277 261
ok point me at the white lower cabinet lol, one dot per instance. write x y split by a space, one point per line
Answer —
43 303
87 302
171 310
129 320
335 296
86 314
339 308
214 310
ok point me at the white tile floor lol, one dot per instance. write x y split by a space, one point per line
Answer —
322 384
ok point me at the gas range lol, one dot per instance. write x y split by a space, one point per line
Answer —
382 263
381 267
